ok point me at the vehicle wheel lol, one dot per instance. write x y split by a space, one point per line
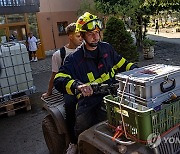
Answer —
55 142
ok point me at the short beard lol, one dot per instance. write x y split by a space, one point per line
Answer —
92 44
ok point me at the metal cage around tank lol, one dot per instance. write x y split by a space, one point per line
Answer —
16 74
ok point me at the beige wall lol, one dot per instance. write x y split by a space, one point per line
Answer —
48 22
51 12
59 5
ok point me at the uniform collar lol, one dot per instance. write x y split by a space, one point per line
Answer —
87 55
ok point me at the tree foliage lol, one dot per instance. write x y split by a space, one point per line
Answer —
117 35
146 6
87 6
138 10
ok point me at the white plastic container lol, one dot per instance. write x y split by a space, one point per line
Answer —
151 102
16 75
151 84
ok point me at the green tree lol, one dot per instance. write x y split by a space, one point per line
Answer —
138 10
116 34
87 6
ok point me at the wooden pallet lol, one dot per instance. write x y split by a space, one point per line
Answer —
8 97
10 107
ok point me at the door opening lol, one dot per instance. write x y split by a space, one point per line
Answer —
21 32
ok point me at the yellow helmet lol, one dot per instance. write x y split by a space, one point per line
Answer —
88 22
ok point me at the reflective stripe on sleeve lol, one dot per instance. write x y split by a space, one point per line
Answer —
112 73
119 64
68 87
129 66
104 77
62 75
78 96
91 77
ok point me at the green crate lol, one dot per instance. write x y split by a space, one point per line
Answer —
141 121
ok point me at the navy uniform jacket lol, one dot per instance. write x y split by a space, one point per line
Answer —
80 68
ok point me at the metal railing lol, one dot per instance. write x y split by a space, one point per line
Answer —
14 3
18 6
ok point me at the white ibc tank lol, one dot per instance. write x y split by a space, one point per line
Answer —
16 74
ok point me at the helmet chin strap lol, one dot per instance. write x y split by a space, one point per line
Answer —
91 44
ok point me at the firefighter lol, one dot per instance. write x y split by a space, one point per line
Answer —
92 62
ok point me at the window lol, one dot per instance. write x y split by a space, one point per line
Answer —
13 18
3 37
32 21
61 27
2 19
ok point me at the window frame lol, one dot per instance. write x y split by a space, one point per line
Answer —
63 24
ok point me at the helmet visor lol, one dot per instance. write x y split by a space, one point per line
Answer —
90 26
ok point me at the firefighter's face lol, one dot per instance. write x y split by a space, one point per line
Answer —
92 38
76 39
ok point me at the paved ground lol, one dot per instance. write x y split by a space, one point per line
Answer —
22 134
165 35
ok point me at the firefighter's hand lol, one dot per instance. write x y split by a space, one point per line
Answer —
85 90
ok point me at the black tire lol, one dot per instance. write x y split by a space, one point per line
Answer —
55 142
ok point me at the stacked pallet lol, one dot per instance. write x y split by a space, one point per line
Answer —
10 107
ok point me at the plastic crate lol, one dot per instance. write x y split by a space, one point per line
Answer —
141 121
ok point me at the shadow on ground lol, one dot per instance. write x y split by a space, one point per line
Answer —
22 133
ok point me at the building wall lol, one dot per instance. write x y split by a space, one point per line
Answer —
48 26
59 5
51 12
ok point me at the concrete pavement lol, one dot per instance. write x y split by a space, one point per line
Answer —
165 36
22 134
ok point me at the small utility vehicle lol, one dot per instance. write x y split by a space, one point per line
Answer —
102 138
